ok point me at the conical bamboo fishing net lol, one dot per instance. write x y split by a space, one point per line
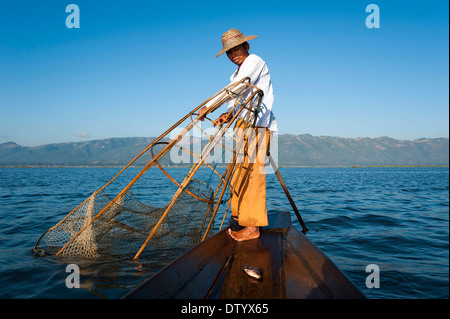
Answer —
120 224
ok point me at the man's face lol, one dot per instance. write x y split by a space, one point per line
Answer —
238 54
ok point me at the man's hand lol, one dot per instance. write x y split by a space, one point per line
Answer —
224 118
201 112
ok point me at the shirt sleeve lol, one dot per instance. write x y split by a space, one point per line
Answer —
252 68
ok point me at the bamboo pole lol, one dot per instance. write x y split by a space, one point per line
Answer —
216 208
291 201
232 167
224 91
192 173
126 189
179 185
214 106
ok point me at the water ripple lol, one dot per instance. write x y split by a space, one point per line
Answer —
396 218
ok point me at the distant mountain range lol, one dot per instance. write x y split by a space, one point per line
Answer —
293 150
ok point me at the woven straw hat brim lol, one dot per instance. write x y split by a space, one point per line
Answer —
235 43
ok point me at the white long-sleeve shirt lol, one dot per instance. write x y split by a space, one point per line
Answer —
256 69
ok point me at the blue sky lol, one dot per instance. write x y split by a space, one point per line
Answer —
133 68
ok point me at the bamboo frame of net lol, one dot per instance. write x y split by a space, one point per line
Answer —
246 97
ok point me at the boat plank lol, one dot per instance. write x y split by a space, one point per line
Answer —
292 267
191 275
264 253
299 282
331 282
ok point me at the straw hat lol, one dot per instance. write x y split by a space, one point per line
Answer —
233 38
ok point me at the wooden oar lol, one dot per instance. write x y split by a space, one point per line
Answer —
294 207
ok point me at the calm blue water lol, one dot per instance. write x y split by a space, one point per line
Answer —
396 218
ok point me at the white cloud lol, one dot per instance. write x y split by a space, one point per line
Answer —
82 135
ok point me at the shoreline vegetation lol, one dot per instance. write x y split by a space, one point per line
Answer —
292 151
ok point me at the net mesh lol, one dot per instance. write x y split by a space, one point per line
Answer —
125 225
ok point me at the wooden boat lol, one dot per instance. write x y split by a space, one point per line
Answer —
292 267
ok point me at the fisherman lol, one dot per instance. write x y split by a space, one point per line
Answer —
248 200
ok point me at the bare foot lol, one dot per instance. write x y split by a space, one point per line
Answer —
244 234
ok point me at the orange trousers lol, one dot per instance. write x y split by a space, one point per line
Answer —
248 200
